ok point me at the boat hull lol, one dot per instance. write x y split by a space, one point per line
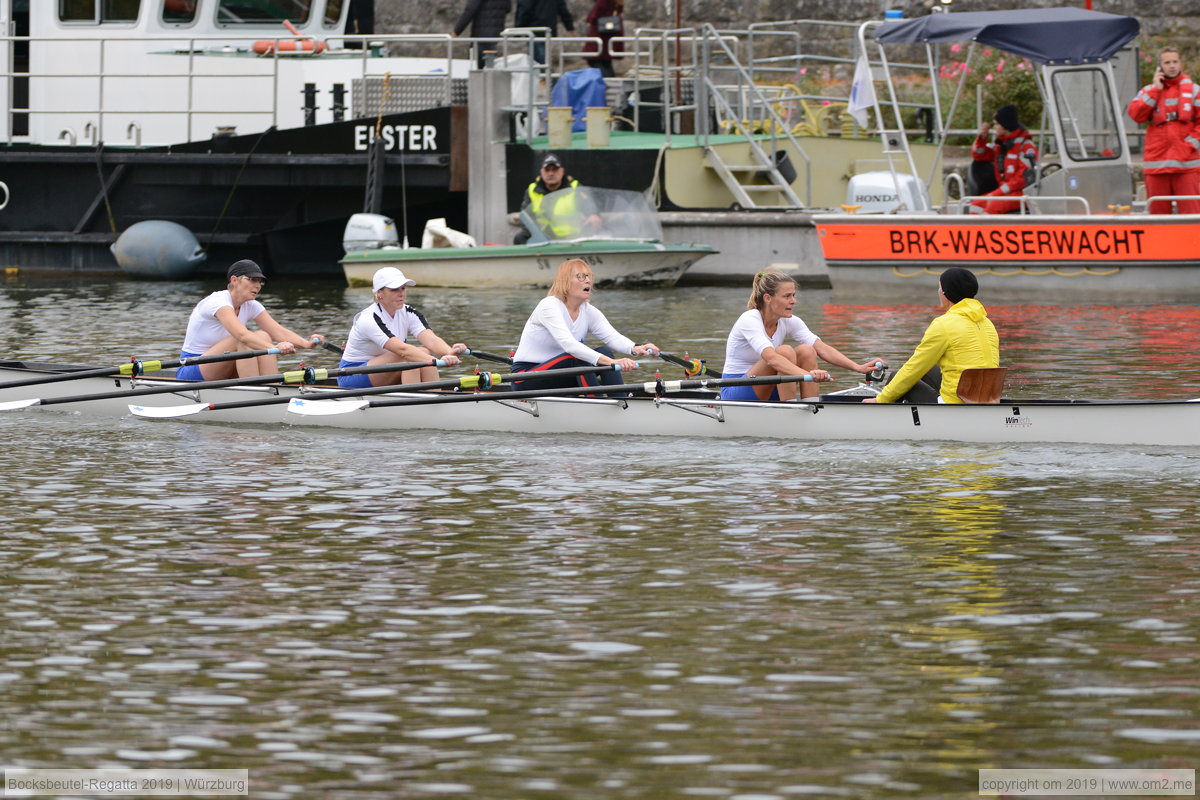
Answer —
614 264
280 198
1099 254
1167 423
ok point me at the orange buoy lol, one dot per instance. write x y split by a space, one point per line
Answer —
269 46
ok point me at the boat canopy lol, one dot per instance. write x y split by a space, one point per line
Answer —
1043 35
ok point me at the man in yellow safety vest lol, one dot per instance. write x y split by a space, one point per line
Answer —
567 214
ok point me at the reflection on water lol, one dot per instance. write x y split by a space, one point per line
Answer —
379 615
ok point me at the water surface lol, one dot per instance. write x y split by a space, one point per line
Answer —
376 615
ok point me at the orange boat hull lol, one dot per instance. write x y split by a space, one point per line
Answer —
996 240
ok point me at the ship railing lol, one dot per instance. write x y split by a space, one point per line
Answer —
87 76
1028 202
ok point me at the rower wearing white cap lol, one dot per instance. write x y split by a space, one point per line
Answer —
380 335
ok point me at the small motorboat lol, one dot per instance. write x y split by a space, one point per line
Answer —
618 235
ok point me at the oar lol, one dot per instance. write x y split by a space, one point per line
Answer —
333 348
137 367
306 375
691 366
489 356
325 407
484 380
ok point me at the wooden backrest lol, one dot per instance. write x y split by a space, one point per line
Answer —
981 384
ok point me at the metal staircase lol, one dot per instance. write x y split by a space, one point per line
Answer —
745 181
762 176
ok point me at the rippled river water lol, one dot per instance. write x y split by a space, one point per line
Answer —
373 615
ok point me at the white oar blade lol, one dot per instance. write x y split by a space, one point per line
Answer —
167 412
17 405
325 408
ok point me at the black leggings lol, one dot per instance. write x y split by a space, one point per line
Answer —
562 361
926 390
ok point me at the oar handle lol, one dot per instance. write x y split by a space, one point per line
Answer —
480 354
333 348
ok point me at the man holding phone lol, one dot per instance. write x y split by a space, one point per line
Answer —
1172 152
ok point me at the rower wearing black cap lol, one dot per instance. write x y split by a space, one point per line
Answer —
218 324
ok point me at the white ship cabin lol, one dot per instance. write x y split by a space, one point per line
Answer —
160 72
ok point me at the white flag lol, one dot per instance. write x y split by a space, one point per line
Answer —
862 92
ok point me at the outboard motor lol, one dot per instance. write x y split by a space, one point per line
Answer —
158 250
877 193
369 232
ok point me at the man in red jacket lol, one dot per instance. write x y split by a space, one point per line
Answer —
1172 152
1013 156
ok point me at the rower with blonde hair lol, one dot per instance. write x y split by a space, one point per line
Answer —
755 347
554 334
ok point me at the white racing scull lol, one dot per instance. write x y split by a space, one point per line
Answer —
653 411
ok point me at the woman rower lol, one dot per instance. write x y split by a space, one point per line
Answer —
379 335
554 334
218 325
756 348
960 338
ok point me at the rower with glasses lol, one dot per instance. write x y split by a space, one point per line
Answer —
218 324
554 335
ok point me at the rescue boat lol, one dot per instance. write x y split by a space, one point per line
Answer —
1080 226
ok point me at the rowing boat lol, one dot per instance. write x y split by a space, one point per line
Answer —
688 415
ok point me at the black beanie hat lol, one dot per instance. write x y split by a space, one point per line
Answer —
958 283
1007 116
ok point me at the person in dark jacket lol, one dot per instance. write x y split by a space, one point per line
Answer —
603 60
544 14
486 18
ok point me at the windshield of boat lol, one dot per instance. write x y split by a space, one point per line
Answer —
1090 128
233 12
588 212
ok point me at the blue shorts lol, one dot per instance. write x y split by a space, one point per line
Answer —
353 381
744 392
192 371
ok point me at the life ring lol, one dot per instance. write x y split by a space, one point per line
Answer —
268 46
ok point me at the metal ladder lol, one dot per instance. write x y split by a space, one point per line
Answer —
756 182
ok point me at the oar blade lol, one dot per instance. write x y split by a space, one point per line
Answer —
17 405
167 412
325 408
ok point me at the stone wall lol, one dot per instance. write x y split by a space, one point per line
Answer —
1162 21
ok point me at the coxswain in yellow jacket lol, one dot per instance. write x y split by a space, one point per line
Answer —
961 338
564 216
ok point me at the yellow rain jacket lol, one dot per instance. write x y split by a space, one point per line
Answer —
960 339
